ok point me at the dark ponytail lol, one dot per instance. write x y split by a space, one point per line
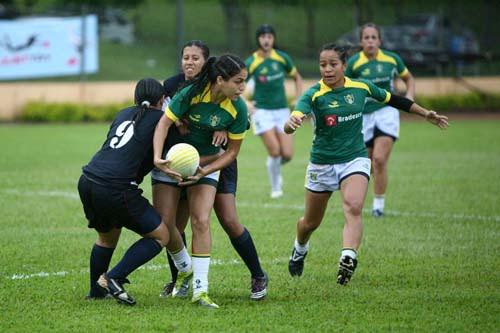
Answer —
226 66
340 50
148 92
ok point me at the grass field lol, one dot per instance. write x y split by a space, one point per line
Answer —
431 265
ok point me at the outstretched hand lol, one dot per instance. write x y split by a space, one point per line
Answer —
437 119
164 165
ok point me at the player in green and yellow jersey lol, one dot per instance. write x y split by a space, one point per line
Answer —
380 121
268 68
194 55
339 159
211 102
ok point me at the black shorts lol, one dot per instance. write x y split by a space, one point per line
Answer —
376 133
228 179
107 207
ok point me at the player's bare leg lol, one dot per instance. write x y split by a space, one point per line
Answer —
353 191
316 204
380 158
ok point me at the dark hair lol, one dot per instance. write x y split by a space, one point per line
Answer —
148 92
199 44
226 66
340 50
264 29
369 25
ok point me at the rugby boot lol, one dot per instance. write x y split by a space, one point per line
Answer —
347 265
296 263
115 288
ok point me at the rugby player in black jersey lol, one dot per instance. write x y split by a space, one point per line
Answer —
111 197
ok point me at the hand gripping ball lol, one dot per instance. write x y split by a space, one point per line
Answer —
184 159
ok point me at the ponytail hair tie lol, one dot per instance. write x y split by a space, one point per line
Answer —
145 104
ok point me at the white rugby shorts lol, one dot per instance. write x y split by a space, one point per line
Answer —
327 177
385 119
264 120
161 176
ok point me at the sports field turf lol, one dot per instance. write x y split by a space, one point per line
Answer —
431 265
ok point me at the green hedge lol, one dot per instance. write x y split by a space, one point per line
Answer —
467 102
69 112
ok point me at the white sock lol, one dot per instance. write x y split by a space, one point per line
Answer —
378 202
200 274
274 171
181 259
301 248
348 252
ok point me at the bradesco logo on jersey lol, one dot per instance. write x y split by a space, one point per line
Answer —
333 119
349 117
264 75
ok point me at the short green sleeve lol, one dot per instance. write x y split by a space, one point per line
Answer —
289 66
377 93
238 128
400 66
305 103
179 105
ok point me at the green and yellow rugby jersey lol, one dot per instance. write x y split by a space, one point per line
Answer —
269 76
338 119
381 71
205 117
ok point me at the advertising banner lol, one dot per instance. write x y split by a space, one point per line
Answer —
48 46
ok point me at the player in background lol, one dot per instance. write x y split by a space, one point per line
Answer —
211 102
380 121
111 197
194 55
268 67
339 159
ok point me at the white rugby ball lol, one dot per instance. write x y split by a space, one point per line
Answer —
184 159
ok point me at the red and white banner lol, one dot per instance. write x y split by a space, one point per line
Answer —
48 46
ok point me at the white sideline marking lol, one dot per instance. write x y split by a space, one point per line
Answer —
61 194
73 195
151 267
366 211
40 274
457 216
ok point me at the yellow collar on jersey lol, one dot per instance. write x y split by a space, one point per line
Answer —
257 60
348 83
381 56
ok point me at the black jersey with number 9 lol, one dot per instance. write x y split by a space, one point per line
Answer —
127 154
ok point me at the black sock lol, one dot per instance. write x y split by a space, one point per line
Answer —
246 249
171 264
100 258
137 255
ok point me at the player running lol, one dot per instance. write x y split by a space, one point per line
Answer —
339 160
268 67
380 121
